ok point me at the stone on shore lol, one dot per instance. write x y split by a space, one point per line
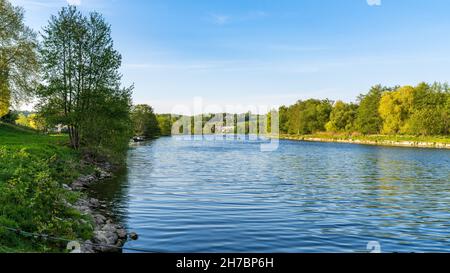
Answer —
108 237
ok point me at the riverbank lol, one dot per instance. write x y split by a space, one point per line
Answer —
42 184
108 236
432 142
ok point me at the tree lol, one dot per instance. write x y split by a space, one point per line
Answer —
446 115
368 119
396 108
11 117
342 118
145 122
306 117
4 99
18 58
428 113
37 122
82 91
22 120
165 124
284 119
420 110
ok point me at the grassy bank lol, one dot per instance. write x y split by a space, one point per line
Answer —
33 169
383 140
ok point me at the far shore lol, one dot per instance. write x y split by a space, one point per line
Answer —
375 140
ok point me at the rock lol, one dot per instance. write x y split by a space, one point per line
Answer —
83 182
66 187
121 242
134 236
94 203
108 237
99 219
87 247
107 241
109 227
122 233
104 175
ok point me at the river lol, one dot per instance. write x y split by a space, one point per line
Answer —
227 196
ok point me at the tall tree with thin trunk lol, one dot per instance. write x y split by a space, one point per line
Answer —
18 59
81 69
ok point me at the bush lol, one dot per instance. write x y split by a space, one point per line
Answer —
31 199
10 118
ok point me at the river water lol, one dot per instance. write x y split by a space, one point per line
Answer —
222 195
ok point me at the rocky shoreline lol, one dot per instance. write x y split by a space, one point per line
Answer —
108 236
411 144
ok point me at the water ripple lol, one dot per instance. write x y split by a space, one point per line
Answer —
225 196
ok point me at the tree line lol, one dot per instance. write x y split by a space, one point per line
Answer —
407 110
422 110
209 123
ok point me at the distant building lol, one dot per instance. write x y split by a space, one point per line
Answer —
225 129
58 129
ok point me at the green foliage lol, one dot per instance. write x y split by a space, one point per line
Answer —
107 130
10 117
22 120
429 115
5 97
18 59
342 118
422 110
145 122
32 120
82 91
387 139
426 121
419 110
165 124
368 120
283 119
446 115
32 169
306 117
395 109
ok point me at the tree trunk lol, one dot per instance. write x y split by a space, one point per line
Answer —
5 94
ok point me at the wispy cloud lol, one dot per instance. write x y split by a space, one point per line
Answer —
38 4
254 15
171 66
249 66
374 2
220 19
74 2
223 19
48 4
295 48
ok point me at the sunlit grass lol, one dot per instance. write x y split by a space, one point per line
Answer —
32 161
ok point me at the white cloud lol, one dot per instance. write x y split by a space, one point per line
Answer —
74 2
374 2
220 19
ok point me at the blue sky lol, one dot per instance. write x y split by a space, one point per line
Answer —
268 52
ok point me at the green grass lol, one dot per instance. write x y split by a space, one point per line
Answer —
374 138
17 135
33 168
